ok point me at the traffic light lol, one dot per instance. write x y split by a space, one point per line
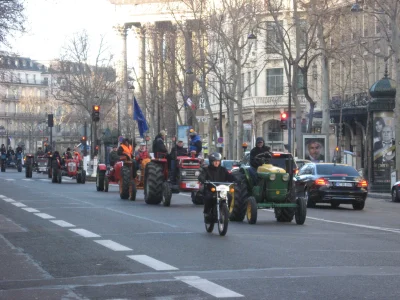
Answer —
96 113
284 120
50 120
83 140
96 150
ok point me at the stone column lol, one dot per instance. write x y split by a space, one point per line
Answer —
122 80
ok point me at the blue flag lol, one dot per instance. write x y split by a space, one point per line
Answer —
139 117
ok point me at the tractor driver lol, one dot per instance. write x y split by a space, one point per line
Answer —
125 149
177 150
159 145
67 154
255 163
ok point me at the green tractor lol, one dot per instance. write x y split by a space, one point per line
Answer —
273 188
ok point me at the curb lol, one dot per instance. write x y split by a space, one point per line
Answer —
380 196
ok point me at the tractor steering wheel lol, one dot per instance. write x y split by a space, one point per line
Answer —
263 158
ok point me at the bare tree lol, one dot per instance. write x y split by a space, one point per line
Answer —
11 19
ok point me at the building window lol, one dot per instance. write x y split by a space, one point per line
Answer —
274 82
273 39
273 135
27 78
34 78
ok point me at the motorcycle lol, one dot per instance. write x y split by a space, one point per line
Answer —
219 212
19 161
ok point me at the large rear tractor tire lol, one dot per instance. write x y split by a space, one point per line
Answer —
83 177
19 167
238 202
153 181
124 182
100 180
167 194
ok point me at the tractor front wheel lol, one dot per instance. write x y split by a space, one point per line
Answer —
100 180
251 211
167 194
124 182
301 211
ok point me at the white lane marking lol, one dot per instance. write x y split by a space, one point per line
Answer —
394 230
45 179
44 216
113 245
2 196
29 209
85 233
18 204
9 200
62 223
27 179
152 263
208 287
10 179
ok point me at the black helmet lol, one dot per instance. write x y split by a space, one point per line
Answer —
214 156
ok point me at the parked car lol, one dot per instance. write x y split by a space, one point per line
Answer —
396 192
332 183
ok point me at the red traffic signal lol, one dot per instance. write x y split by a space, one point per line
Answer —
284 120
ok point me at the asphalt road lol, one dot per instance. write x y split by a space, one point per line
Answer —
68 241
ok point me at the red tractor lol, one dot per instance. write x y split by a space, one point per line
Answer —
122 174
158 189
69 167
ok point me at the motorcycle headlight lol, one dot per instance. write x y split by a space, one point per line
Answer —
138 173
197 173
223 194
285 177
272 177
183 173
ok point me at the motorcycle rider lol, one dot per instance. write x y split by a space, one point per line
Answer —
3 153
10 154
159 145
195 142
216 173
19 149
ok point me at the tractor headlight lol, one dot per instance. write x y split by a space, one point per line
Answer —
183 173
223 194
272 177
197 173
285 177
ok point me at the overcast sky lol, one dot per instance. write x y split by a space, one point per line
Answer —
51 22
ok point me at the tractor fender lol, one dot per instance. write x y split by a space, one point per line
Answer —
102 167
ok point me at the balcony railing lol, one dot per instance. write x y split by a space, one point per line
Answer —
355 100
269 102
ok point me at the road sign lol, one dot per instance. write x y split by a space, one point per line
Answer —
120 138
220 140
220 145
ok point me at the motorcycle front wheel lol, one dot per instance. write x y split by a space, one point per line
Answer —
223 219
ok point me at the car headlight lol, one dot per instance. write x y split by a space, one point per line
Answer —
197 173
285 177
223 194
183 173
272 177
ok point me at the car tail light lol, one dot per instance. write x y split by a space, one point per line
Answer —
362 184
321 181
296 171
276 154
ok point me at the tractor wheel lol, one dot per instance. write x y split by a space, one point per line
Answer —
106 184
153 190
83 177
3 166
251 211
284 214
124 182
19 168
54 175
100 180
133 191
49 173
167 194
28 171
301 211
197 198
79 178
59 176
238 204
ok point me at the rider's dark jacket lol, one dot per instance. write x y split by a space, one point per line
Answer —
178 151
158 145
219 174
255 151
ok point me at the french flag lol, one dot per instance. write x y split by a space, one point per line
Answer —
190 103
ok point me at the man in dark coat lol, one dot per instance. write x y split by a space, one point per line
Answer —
255 163
177 150
159 145
214 172
114 157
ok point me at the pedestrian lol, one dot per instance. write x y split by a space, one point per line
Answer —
114 157
159 148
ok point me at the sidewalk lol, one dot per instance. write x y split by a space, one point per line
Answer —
386 196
